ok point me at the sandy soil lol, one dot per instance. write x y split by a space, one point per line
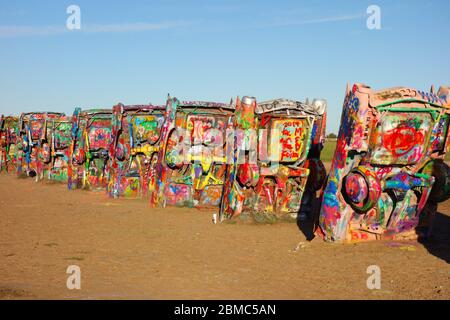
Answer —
127 250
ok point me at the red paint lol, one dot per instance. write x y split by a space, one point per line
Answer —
402 139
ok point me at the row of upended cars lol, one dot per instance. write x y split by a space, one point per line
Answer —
255 160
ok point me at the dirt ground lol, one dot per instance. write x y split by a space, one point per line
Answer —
127 250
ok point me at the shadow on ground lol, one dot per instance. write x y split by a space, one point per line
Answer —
438 244
308 226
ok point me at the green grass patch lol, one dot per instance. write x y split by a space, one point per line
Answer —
328 150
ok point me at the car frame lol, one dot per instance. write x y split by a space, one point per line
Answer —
388 172
9 134
34 151
136 139
276 160
89 152
192 161
58 133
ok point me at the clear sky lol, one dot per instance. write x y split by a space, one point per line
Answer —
138 51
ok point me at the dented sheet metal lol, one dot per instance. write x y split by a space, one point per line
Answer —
277 147
89 151
134 151
388 172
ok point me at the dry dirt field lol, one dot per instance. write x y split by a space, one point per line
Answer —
127 250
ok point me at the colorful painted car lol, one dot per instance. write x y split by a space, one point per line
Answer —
89 152
58 140
277 142
192 157
388 170
136 137
8 142
34 150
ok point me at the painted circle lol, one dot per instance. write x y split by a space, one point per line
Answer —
356 188
361 189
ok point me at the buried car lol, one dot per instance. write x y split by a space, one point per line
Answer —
276 144
89 152
8 142
57 144
388 171
33 146
134 150
192 160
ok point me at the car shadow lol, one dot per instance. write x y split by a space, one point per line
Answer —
438 242
308 226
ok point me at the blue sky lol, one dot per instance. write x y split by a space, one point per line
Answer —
138 51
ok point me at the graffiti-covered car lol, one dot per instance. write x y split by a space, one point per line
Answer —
275 144
192 164
58 140
34 150
136 137
8 142
89 152
388 170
